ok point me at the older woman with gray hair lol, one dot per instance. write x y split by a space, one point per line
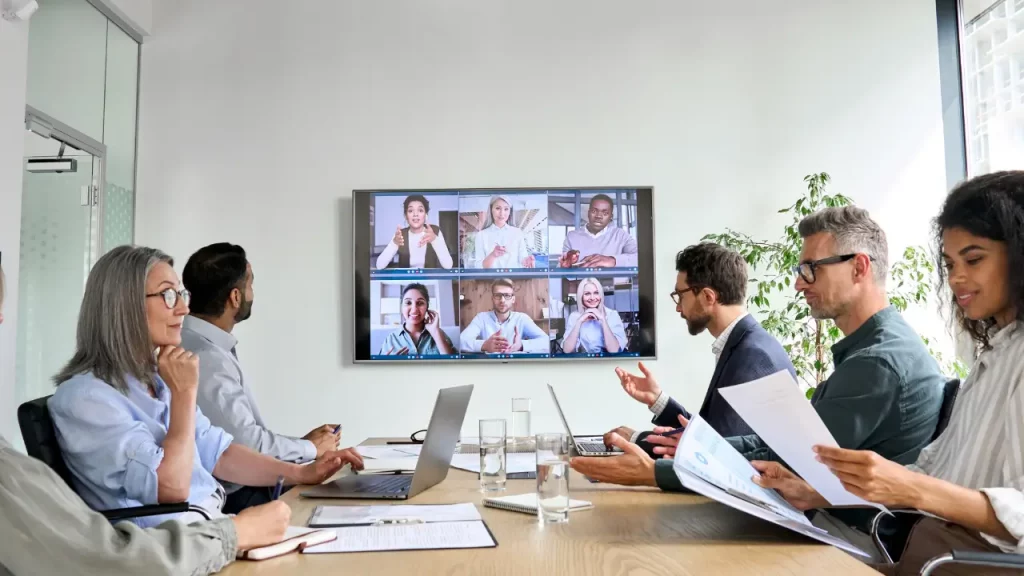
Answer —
500 244
47 529
125 407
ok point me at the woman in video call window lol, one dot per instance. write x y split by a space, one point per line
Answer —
421 332
500 244
420 244
593 327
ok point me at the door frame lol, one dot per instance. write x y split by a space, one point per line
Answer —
47 126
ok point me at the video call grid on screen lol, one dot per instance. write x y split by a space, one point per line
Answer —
533 254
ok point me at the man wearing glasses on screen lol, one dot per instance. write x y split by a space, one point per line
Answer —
503 330
598 244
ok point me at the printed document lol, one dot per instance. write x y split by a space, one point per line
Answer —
431 536
779 413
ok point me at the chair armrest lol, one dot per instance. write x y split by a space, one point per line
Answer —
152 510
993 559
877 521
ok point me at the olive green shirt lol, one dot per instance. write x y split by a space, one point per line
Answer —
45 528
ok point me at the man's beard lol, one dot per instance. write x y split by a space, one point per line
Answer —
698 325
244 311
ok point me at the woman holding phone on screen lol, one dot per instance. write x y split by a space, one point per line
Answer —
421 333
500 244
593 328
418 245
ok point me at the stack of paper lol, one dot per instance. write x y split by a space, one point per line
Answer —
707 464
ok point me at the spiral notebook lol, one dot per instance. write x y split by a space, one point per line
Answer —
527 503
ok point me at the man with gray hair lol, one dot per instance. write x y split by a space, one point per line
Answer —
886 390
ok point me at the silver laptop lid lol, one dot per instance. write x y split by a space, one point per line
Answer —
565 422
442 436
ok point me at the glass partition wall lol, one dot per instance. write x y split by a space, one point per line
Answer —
78 197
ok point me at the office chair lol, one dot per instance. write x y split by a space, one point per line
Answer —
41 443
898 529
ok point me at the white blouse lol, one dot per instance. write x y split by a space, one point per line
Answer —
512 238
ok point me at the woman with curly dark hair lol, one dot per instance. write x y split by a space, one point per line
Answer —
972 475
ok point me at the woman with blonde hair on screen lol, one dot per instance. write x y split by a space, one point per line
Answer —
593 327
500 244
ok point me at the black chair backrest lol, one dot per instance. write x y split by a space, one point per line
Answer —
949 392
41 438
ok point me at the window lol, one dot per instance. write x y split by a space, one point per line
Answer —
992 72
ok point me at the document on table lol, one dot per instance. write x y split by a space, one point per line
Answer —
430 536
707 464
779 413
383 452
324 516
514 462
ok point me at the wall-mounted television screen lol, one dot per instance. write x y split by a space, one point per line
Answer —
509 274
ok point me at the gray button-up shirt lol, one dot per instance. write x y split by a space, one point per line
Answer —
46 528
228 402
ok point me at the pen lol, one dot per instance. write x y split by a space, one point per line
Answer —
336 428
277 487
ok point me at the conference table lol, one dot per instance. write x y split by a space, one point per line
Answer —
630 530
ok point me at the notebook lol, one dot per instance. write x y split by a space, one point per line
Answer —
527 503
295 538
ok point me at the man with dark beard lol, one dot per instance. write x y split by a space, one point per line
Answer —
220 280
710 290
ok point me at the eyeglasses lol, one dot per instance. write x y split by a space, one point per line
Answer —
502 296
171 296
677 296
806 270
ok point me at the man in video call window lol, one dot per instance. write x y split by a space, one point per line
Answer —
598 244
502 330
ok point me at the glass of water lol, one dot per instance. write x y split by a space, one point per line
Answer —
552 478
521 422
492 455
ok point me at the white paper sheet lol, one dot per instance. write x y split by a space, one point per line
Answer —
521 462
356 515
382 452
780 414
410 449
435 536
785 515
388 465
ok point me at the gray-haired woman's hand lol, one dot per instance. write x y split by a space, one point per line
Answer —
179 369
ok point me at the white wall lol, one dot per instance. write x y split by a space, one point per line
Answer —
257 123
14 51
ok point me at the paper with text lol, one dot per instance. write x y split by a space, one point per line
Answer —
780 414
433 536
356 515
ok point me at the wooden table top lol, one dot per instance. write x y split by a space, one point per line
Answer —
636 531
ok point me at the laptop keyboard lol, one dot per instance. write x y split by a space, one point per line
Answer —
597 447
394 484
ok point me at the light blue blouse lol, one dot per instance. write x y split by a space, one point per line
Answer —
112 443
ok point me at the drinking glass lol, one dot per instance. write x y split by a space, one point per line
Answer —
552 478
520 422
492 455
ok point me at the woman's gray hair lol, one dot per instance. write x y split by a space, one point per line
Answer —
855 233
489 221
113 340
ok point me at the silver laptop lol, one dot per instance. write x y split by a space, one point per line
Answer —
583 445
431 468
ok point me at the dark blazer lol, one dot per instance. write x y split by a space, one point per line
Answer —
749 353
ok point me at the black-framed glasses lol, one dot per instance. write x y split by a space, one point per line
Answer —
677 295
807 269
171 296
502 296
